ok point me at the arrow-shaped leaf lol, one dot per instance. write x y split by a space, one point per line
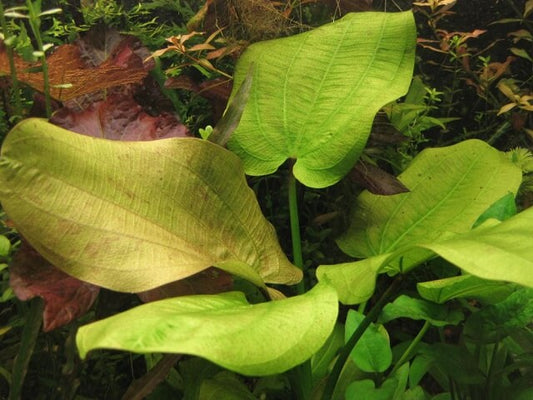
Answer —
314 95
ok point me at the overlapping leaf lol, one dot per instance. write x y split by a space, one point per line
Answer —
314 95
272 337
131 216
65 298
449 189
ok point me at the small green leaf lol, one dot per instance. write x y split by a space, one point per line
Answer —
52 11
261 339
366 390
205 133
5 246
521 53
417 309
314 95
15 14
372 353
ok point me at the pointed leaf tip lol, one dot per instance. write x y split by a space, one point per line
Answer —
131 216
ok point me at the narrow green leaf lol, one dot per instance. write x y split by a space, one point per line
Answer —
521 53
131 216
322 359
464 286
418 309
261 339
230 120
314 95
372 353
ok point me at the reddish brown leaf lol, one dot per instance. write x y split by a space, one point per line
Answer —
66 298
119 118
209 281
375 180
68 64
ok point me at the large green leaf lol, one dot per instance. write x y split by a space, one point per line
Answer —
261 339
450 188
131 216
314 95
494 251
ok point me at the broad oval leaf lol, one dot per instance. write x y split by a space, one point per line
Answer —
261 339
131 216
314 95
450 188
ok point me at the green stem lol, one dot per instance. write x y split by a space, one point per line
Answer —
348 347
35 24
295 230
300 377
12 68
27 343
407 353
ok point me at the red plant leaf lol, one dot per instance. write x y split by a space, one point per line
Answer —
209 281
119 118
66 298
75 65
